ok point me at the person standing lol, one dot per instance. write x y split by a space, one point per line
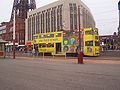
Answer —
33 52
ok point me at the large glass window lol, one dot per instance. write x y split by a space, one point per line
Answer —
41 24
29 28
32 27
21 36
34 24
58 18
71 16
75 16
61 25
48 20
83 11
43 30
37 23
54 19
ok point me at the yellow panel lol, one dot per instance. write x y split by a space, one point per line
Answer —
48 40
46 49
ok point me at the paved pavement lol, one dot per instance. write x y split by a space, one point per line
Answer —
33 74
100 59
101 56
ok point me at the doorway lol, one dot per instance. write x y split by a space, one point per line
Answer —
58 48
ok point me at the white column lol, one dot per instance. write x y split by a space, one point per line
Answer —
14 26
26 30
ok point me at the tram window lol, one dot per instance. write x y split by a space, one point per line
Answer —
89 32
96 32
97 43
58 35
50 45
42 45
50 35
41 36
35 45
89 43
35 37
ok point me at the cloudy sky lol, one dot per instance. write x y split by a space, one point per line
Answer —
105 13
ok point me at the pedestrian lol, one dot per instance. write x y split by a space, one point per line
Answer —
33 52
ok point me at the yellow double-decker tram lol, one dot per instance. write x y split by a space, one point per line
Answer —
91 42
49 42
60 43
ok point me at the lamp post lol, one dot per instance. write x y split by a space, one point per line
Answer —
80 53
14 36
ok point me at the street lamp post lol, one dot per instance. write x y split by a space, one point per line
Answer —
80 53
14 36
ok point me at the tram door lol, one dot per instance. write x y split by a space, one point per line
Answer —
58 48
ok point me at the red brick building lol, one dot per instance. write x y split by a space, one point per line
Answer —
19 31
21 7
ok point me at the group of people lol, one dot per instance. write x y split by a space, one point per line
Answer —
110 47
24 50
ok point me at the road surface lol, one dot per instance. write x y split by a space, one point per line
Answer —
24 74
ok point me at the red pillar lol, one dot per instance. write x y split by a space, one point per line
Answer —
80 53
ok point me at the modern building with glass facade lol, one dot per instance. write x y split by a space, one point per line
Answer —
61 15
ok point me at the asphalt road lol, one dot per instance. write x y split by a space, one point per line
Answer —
47 75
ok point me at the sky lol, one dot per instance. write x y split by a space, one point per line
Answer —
105 13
